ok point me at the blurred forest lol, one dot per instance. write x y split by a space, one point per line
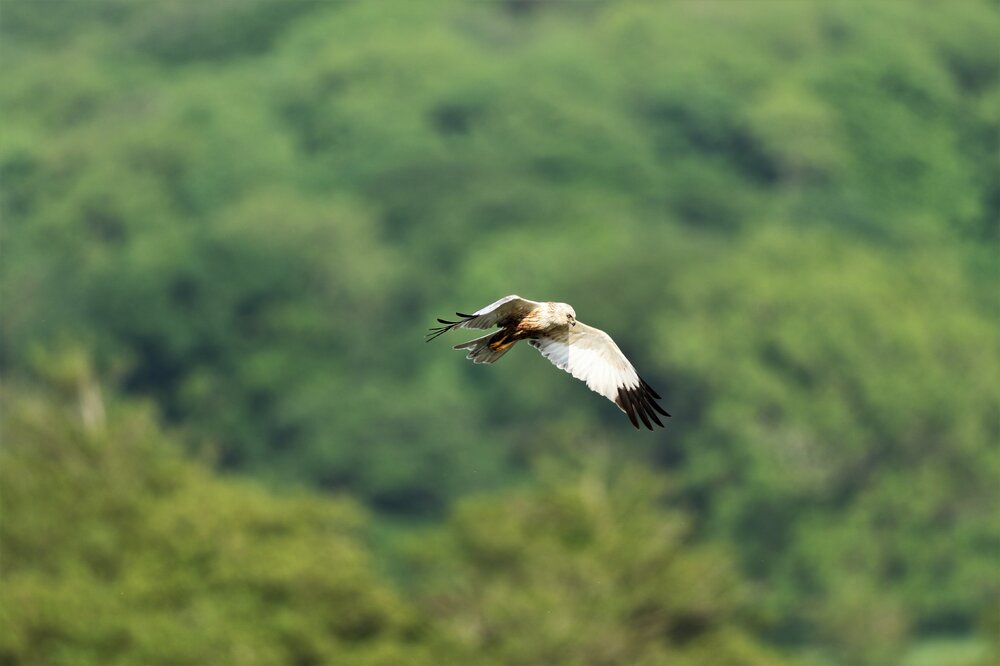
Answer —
227 225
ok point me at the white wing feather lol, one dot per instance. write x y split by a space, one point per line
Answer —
590 355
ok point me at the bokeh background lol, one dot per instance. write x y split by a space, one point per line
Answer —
228 223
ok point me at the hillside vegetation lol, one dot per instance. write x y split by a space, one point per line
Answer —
235 220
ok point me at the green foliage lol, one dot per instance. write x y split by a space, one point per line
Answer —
589 568
117 551
246 213
853 455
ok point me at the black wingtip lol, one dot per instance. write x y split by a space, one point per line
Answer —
652 413
655 396
436 331
447 326
650 408
626 404
650 389
640 409
639 403
656 406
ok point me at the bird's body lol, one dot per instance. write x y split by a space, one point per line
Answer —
587 353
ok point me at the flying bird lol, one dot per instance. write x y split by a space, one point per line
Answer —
587 353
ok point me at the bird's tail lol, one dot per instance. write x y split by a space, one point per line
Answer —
488 348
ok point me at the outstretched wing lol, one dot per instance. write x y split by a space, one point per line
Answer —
508 307
589 354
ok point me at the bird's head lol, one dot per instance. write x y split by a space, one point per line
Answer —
567 313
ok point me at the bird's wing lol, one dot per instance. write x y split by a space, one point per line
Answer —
589 354
508 307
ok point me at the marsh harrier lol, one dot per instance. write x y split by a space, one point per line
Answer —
587 353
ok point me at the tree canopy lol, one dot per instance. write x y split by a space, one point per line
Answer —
243 214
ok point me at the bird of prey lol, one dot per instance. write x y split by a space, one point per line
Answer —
587 353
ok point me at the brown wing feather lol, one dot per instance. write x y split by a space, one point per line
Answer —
505 312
